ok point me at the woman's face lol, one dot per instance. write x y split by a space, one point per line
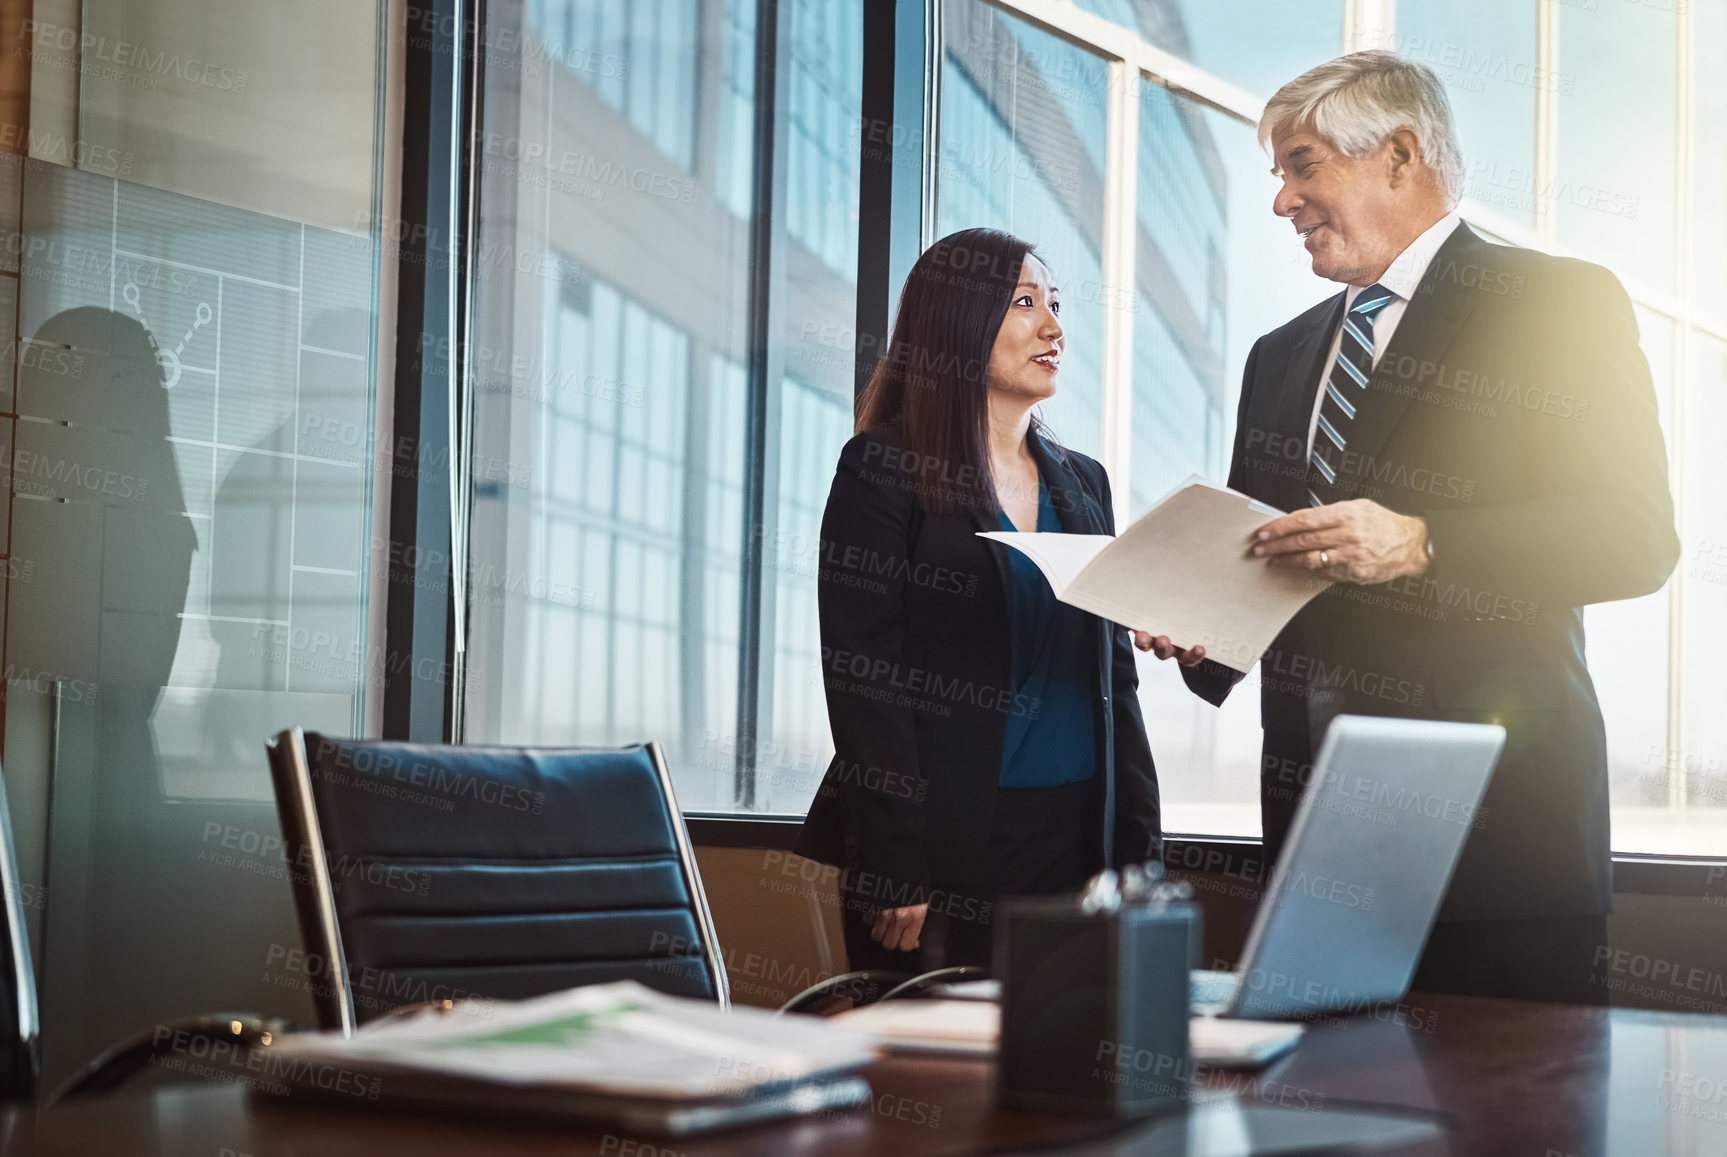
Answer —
1027 353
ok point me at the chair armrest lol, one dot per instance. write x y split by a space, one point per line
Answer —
860 988
916 986
238 1032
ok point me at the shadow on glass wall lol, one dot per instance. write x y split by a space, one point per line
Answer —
168 879
99 517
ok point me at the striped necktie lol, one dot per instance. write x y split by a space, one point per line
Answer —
1345 393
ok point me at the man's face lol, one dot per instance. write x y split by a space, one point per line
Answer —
1344 207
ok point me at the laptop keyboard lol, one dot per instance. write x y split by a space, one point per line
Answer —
1211 988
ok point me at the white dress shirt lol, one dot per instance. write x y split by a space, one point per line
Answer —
1405 273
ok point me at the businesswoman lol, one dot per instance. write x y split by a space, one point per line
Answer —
988 739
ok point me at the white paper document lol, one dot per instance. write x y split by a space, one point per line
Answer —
973 1028
621 1038
1229 1043
962 1027
1182 570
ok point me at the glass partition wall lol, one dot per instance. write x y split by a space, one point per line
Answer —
190 283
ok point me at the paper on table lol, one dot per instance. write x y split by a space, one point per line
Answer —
1232 1043
973 1028
969 1027
1181 570
619 1038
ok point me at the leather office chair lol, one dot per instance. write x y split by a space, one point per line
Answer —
425 872
442 872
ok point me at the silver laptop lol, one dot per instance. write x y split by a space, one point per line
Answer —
1369 856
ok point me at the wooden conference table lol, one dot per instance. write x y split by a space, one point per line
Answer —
1480 1077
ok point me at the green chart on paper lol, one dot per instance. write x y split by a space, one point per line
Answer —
563 1032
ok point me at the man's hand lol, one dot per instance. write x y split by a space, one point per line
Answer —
1358 541
1164 649
898 928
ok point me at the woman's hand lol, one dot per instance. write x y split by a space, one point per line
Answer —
898 928
1164 649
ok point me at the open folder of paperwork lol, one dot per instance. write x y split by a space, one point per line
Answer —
1182 570
619 1052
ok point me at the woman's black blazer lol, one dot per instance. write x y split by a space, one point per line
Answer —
916 661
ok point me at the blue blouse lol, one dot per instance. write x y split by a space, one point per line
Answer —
1054 739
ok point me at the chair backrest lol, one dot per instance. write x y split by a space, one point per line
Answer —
19 1024
426 872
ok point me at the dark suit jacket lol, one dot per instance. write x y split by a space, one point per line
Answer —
1513 411
915 656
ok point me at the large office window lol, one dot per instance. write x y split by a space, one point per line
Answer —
1022 123
617 539
1240 41
1214 269
1211 270
1485 54
814 424
686 571
1556 158
814 395
605 609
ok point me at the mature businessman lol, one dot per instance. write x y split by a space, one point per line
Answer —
1466 438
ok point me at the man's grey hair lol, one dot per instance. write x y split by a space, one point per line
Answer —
1355 102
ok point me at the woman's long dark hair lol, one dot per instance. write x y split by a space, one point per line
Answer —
932 382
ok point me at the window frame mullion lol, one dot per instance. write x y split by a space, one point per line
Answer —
765 372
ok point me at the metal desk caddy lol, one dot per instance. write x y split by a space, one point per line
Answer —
1095 996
